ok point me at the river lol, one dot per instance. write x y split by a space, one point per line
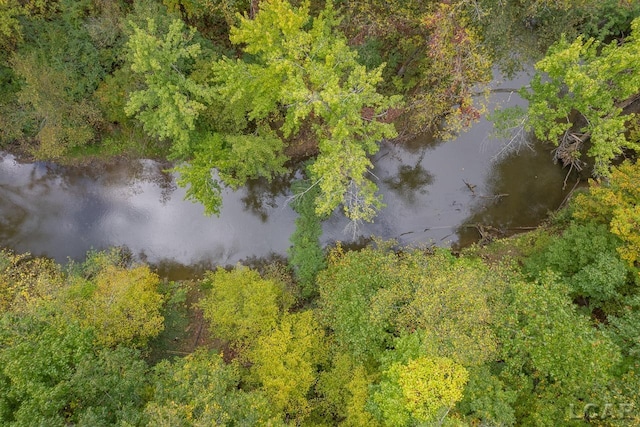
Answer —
434 191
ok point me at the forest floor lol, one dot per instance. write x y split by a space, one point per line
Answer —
185 326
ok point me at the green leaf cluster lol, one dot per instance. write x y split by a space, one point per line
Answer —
202 390
553 355
283 349
585 258
306 256
581 88
69 341
301 70
615 203
171 101
367 297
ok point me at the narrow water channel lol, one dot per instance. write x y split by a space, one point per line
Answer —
434 192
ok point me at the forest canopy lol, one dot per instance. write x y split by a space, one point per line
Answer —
231 91
541 329
538 329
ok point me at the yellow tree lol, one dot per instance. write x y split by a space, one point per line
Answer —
285 362
616 203
243 306
422 390
345 389
121 305
27 282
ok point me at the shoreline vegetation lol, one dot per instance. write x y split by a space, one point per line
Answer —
521 330
249 88
539 329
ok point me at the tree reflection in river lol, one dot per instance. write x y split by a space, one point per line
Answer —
261 196
413 179
63 211
520 191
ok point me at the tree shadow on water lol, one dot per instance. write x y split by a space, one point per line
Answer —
410 181
261 195
521 191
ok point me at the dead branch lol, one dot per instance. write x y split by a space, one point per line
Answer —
568 196
495 196
568 150
298 196
517 141
470 187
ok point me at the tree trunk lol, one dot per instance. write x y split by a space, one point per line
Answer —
254 7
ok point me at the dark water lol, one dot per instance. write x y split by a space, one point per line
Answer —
63 212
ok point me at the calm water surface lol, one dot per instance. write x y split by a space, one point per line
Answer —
63 212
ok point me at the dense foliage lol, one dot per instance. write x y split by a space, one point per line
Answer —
541 329
234 90
582 95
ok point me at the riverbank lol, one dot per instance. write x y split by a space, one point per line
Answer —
554 304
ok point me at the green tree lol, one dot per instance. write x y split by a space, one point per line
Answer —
346 289
224 13
201 390
451 303
177 103
615 203
283 351
242 306
302 71
368 296
12 17
519 32
108 388
607 19
422 390
57 114
169 104
553 355
626 327
37 360
285 362
10 28
51 374
344 388
306 255
198 176
579 92
65 49
487 399
585 258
